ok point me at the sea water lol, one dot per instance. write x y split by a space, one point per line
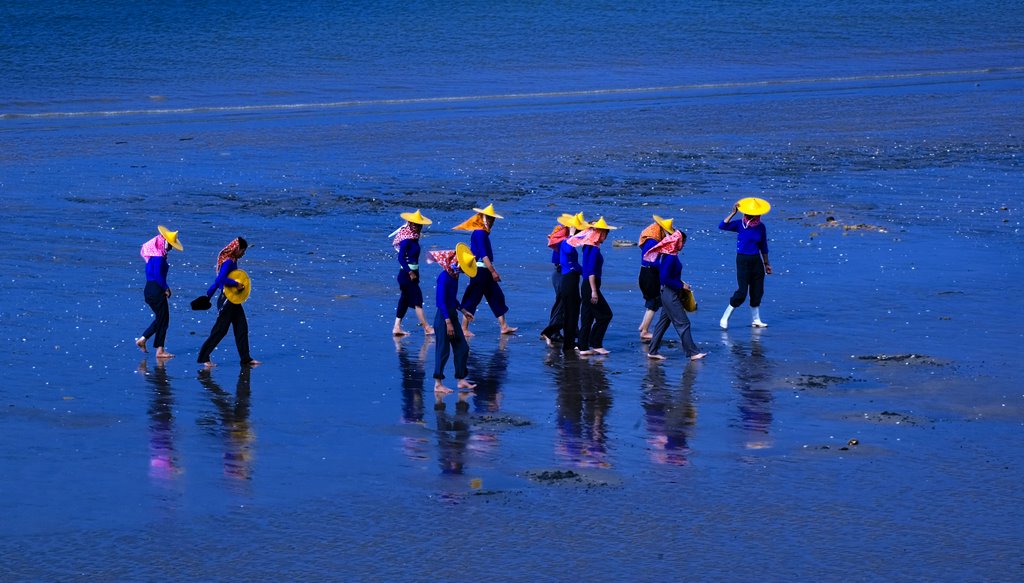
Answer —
307 127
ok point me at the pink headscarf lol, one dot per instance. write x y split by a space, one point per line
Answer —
404 232
558 234
155 247
670 245
446 259
588 237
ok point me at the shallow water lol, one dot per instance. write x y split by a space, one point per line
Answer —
330 461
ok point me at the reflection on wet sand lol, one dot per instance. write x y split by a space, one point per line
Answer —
231 422
489 375
414 373
753 373
670 418
452 435
584 399
163 459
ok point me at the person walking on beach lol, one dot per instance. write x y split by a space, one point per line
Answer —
751 257
154 253
407 244
553 332
568 267
650 285
485 283
234 287
452 262
596 314
672 290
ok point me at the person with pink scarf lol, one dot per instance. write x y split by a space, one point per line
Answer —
154 253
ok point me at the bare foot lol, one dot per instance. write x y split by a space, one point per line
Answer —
428 331
209 365
656 357
399 332
253 362
601 351
141 343
546 340
508 330
587 352
698 356
645 335
464 384
440 389
161 353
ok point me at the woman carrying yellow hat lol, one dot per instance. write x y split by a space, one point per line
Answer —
407 243
485 283
452 262
234 286
154 253
751 257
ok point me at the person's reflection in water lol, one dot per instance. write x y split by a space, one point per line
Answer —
163 459
670 418
753 373
232 422
584 398
414 373
489 375
452 434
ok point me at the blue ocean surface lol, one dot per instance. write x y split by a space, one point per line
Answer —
869 433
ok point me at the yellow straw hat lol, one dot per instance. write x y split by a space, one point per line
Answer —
567 220
235 295
466 259
754 207
665 224
581 223
171 237
600 224
489 211
417 217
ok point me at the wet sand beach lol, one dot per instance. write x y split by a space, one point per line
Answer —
869 433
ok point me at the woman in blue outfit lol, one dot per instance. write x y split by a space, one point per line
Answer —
751 257
154 253
650 284
407 243
568 286
229 314
670 273
595 314
485 283
452 262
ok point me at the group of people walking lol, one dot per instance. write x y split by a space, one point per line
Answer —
580 315
232 281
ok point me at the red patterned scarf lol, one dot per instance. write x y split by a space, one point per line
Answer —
231 251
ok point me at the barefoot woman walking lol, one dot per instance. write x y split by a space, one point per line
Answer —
154 253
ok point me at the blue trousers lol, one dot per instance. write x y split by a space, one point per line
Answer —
480 287
444 346
411 294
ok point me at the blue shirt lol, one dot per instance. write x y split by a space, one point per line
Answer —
448 295
409 254
671 271
643 251
748 241
568 258
480 245
156 270
555 256
222 277
592 261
